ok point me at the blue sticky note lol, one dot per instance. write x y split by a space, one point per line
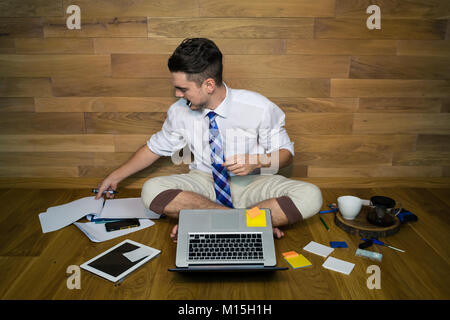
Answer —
338 244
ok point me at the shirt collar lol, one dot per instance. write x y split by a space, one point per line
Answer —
222 109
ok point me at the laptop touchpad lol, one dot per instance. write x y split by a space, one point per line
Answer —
224 221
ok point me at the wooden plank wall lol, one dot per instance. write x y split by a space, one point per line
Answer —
361 105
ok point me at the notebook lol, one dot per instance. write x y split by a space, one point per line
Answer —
225 240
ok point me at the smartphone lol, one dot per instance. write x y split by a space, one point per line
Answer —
122 224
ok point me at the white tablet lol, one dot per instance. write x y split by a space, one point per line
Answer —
113 265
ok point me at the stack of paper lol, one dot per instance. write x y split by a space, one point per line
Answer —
61 216
296 260
96 232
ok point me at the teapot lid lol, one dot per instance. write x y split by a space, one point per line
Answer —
381 201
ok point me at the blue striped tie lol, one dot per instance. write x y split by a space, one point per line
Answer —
220 174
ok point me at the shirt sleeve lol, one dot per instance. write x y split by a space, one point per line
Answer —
170 138
272 134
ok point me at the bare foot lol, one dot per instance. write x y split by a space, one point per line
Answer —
174 233
277 233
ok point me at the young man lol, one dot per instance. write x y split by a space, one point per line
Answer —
238 141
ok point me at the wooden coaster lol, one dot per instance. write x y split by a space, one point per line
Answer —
360 225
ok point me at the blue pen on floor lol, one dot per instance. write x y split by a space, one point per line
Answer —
328 211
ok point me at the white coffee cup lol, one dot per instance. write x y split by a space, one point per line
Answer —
349 206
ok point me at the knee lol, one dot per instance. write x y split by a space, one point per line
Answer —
156 194
307 198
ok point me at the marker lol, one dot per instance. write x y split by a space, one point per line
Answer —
324 223
107 191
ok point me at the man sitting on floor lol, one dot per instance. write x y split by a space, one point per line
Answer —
238 141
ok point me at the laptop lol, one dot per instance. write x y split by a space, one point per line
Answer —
224 240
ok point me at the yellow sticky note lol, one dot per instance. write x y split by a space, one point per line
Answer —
298 261
257 221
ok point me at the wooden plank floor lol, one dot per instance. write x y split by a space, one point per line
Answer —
33 265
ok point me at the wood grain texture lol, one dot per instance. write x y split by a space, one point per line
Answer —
54 65
34 264
371 123
379 171
130 8
41 123
367 88
97 27
400 105
16 104
340 47
168 45
109 87
314 88
386 67
353 142
430 9
31 8
268 28
288 66
271 8
21 27
400 29
439 48
101 104
54 46
25 87
56 143
85 100
124 123
335 105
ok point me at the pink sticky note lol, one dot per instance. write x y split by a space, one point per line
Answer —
253 212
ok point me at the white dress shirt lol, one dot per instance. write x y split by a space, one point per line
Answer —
248 123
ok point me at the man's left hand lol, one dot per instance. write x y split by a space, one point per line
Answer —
242 164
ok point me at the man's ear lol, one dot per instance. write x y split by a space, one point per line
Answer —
210 85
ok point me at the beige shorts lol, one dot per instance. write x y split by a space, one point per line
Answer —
246 191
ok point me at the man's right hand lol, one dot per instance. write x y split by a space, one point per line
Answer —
108 184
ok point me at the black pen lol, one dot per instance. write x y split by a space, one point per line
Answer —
107 191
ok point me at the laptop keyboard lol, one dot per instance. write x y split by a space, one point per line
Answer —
225 246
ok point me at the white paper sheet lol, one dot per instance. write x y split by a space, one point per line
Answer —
338 265
127 208
318 249
140 253
61 216
96 232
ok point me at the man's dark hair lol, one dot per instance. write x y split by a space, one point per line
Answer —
199 58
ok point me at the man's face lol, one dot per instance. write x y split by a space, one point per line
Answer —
190 91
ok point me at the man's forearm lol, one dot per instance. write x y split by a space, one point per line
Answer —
141 159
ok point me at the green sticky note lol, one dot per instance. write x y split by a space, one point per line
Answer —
257 221
298 261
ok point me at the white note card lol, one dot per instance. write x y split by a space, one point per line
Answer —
318 249
140 253
338 265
